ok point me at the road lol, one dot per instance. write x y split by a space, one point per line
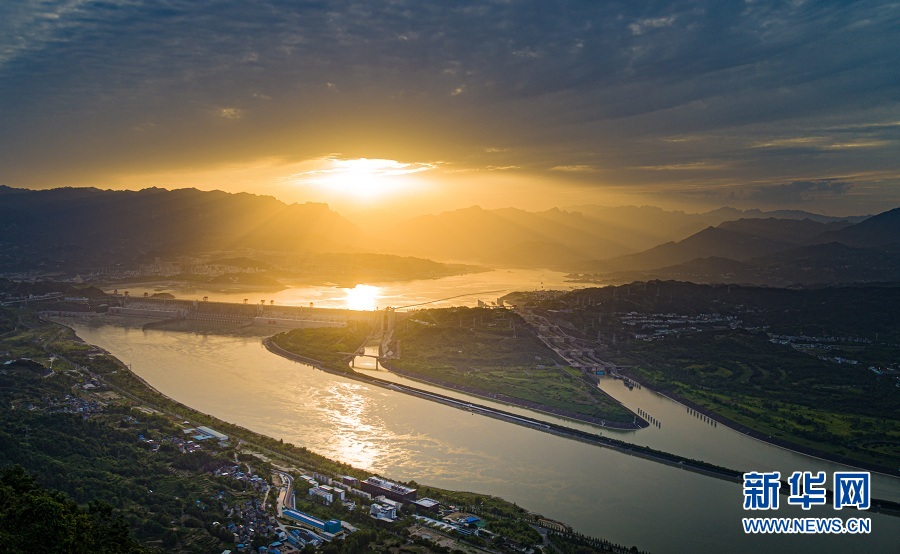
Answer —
286 495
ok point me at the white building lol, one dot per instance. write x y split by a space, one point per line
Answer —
324 491
383 511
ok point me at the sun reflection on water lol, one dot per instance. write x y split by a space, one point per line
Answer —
363 297
354 442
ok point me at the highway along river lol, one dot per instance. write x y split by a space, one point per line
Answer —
601 492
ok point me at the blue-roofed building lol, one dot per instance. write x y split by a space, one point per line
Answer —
332 526
207 433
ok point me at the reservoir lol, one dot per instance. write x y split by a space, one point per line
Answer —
622 498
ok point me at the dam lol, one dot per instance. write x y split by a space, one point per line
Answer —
243 315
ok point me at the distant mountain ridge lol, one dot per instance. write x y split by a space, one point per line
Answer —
879 230
507 236
567 237
768 251
89 226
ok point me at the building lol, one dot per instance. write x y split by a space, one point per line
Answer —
338 493
383 511
388 502
211 433
381 487
322 478
427 504
360 493
332 526
325 492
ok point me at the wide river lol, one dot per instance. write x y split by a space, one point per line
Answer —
604 493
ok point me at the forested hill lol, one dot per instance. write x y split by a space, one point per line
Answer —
36 519
814 369
89 227
853 310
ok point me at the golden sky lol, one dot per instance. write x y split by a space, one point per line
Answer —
424 106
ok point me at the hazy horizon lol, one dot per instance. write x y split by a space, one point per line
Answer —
426 107
372 212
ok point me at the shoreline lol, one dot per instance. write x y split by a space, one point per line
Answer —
666 458
272 450
695 466
740 428
284 282
762 437
673 460
518 402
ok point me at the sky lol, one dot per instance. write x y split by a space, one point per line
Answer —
421 106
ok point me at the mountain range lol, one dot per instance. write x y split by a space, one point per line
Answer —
83 227
75 228
767 251
563 237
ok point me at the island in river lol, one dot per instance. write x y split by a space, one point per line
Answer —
485 352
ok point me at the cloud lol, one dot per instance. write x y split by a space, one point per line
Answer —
333 166
641 26
230 113
687 166
821 143
761 90
574 168
797 192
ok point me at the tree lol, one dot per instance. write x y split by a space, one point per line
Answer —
31 515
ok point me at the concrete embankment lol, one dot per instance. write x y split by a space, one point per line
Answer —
640 423
560 430
781 443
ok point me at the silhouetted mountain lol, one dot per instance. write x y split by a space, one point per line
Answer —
569 237
880 230
791 231
648 226
642 227
87 226
767 251
831 263
710 242
728 214
503 237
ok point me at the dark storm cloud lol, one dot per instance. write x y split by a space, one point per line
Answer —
607 85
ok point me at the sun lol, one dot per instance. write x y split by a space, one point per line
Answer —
362 178
362 297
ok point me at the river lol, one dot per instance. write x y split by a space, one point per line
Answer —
622 498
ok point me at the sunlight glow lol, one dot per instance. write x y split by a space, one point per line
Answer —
363 297
347 409
362 178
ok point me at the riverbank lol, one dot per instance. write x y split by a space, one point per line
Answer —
596 490
115 391
750 432
575 434
695 466
518 402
